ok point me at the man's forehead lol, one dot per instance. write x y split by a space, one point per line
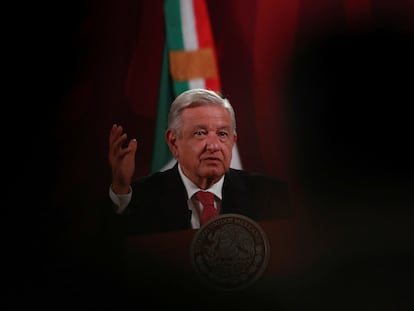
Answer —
209 126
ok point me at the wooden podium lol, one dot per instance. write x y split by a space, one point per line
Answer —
158 267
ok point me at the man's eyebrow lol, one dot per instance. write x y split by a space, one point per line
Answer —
204 126
224 127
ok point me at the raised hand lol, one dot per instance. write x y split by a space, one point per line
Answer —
121 159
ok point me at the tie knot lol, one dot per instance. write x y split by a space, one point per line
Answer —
205 197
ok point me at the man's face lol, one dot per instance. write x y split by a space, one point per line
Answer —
204 146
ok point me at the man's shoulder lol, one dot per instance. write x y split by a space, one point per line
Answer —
158 177
253 182
267 196
252 176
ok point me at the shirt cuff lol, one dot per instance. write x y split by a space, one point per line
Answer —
121 201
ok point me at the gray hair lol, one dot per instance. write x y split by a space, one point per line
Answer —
195 98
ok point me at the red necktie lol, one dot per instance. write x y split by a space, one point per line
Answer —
209 211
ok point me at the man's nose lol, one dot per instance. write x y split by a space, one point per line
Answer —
212 143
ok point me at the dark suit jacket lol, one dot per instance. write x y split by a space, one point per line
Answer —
159 201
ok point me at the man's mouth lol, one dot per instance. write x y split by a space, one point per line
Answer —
211 159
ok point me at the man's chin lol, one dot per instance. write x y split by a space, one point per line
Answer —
213 172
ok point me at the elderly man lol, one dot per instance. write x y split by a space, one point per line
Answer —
201 134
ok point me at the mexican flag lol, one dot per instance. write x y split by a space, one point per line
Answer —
189 61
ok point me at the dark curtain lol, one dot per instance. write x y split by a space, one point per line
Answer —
89 64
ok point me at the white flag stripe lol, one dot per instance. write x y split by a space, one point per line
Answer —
196 83
188 25
235 160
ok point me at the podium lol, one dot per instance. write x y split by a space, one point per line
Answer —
159 267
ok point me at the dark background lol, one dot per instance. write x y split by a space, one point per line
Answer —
76 67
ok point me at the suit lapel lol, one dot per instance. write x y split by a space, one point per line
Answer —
174 201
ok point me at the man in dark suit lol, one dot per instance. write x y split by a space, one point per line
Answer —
201 134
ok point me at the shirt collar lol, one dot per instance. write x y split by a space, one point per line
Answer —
192 188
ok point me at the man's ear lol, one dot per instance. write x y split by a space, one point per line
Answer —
234 137
171 139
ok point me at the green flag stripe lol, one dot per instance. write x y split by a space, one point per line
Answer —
181 86
161 153
173 24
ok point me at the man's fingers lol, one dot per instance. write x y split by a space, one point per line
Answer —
133 144
115 134
117 139
131 148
